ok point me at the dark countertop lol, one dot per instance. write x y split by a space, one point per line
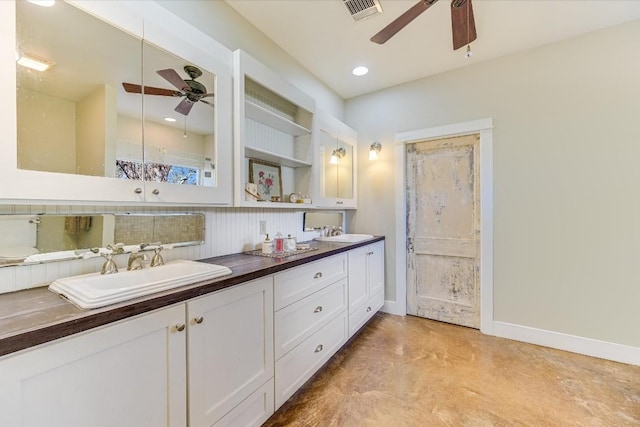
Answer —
36 316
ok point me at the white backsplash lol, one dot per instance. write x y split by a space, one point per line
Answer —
227 231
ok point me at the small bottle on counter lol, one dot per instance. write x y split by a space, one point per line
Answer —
267 245
279 243
289 244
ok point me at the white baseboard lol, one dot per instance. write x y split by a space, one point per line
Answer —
587 346
393 307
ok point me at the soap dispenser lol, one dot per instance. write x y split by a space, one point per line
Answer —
279 243
267 245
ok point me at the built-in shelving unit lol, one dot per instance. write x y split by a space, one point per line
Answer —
273 122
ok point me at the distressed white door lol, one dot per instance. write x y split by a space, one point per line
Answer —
443 230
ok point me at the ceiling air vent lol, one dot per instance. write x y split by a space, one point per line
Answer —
361 9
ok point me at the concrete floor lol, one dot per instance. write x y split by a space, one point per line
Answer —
408 371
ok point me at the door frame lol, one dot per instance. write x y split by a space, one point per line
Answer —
484 128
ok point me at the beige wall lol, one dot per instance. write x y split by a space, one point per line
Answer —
566 176
46 132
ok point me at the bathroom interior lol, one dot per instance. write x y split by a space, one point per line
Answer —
145 143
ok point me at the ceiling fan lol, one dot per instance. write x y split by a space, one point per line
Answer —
190 89
462 24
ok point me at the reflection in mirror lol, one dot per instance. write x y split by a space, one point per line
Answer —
178 123
84 115
319 220
42 237
337 167
68 114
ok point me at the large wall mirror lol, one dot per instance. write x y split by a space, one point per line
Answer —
337 166
44 237
105 94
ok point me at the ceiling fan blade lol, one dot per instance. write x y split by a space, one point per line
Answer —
400 22
184 107
174 78
207 95
463 25
149 90
207 102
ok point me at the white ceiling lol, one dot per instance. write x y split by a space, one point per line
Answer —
324 38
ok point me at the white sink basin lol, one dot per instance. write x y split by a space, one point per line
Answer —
345 238
97 290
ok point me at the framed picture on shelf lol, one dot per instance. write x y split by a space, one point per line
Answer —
267 176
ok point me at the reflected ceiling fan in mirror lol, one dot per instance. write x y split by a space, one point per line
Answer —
192 90
463 26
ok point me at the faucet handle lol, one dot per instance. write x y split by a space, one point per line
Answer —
157 259
116 248
109 266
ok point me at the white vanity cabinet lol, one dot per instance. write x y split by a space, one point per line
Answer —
310 321
366 284
230 352
83 132
129 374
135 372
272 134
335 161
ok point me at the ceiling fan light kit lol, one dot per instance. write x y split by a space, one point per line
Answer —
463 26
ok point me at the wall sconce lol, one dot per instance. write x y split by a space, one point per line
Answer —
336 155
374 150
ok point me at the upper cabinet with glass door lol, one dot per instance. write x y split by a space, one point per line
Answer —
121 114
272 133
335 160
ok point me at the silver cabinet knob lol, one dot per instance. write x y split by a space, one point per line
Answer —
180 327
368 309
317 275
318 349
138 190
318 309
198 320
156 191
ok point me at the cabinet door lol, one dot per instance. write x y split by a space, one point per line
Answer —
131 373
358 286
335 161
230 349
75 131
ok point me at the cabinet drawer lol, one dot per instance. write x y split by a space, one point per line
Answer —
253 411
297 283
299 320
358 317
297 366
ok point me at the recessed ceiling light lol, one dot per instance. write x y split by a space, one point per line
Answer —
169 119
45 3
360 71
34 62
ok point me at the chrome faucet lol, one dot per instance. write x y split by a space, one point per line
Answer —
135 261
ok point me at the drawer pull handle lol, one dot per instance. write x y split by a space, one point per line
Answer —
317 275
318 309
318 349
198 320
368 309
339 202
138 190
180 327
369 253
156 191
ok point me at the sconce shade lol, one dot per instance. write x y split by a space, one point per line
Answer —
374 150
336 155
